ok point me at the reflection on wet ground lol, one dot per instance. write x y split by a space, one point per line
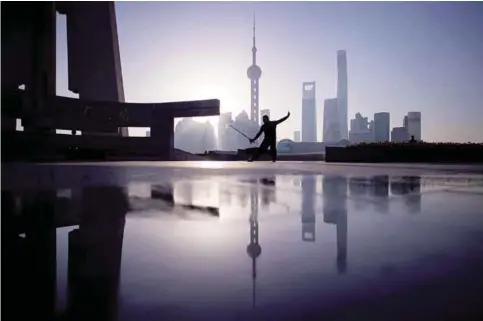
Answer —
246 247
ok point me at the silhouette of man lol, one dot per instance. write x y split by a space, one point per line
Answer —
269 128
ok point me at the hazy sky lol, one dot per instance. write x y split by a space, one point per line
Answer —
411 56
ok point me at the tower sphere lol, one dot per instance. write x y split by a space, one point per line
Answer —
254 250
254 72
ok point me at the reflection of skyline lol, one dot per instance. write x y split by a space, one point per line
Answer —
358 186
308 208
186 190
335 212
268 191
166 194
410 188
102 214
378 187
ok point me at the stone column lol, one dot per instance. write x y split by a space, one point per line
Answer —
94 63
162 133
28 54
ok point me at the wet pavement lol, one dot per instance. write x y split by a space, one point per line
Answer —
237 241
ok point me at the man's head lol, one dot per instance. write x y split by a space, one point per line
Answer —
265 119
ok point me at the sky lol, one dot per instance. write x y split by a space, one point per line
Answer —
401 57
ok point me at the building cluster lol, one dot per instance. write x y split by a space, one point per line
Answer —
194 137
334 122
335 117
378 130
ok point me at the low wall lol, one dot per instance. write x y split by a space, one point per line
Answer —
20 146
407 153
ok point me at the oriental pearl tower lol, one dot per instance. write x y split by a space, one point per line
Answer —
254 73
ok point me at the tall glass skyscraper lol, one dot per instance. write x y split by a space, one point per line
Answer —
342 92
309 113
331 131
414 124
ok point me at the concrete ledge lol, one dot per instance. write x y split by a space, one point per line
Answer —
71 113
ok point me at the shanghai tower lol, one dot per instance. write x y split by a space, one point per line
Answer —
342 92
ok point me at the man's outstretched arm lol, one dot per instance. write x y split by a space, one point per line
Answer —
258 135
281 120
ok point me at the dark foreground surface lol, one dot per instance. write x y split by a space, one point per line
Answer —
238 241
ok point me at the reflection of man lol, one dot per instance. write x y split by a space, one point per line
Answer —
269 128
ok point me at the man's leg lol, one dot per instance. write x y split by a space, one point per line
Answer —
262 149
273 150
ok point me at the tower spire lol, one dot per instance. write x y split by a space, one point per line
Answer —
254 26
254 48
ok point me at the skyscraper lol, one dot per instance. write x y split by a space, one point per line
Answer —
359 130
342 92
331 121
296 136
254 73
399 135
414 125
309 113
381 127
359 123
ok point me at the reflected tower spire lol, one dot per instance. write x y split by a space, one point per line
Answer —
254 249
254 73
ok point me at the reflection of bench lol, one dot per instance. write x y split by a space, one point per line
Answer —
74 114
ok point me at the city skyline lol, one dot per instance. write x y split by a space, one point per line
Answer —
433 71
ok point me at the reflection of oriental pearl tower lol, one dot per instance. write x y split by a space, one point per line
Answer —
254 249
254 73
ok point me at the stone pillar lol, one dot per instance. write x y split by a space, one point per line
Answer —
93 48
162 133
43 83
28 54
